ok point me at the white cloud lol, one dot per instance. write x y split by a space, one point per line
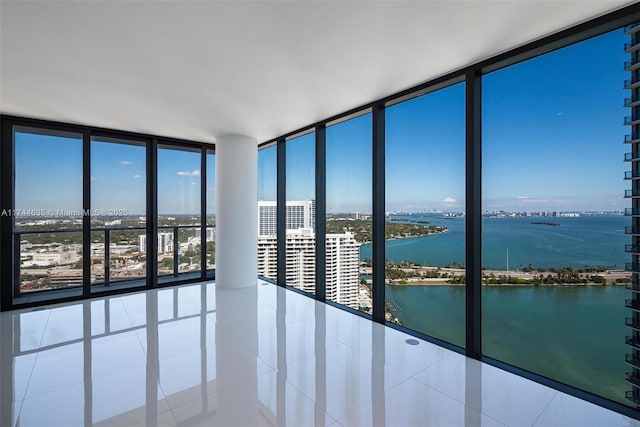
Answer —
522 197
449 200
136 176
195 183
125 162
528 201
93 178
187 173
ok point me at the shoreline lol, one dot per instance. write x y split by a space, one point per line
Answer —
447 276
508 285
390 239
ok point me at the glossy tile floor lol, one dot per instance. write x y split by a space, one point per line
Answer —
197 355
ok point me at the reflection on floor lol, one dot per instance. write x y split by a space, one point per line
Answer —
197 355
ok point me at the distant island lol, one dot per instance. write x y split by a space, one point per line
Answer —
362 229
553 224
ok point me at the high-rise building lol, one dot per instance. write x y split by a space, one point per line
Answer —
343 275
300 214
267 211
165 243
343 252
343 258
142 243
268 256
210 234
633 138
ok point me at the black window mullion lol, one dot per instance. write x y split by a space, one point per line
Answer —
6 220
152 213
281 211
473 223
203 214
321 210
378 181
86 217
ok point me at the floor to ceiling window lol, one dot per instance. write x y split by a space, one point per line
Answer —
301 213
76 216
553 224
179 243
210 240
348 221
425 204
118 212
267 213
48 210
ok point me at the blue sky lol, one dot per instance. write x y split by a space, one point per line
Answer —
178 181
48 172
349 166
267 163
425 160
301 167
553 132
118 177
552 140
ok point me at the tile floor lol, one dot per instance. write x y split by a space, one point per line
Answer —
200 356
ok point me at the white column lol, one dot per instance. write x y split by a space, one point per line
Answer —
236 211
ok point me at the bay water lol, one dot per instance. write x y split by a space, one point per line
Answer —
573 334
575 242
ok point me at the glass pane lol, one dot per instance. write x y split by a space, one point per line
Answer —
267 210
118 183
48 209
349 212
118 211
166 252
301 213
50 261
127 256
553 233
210 239
178 208
189 249
425 227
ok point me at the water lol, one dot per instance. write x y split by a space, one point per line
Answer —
573 334
576 242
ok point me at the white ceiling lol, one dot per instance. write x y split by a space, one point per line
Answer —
196 70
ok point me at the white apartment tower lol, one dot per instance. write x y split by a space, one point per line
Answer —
300 214
267 212
343 274
165 243
343 252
